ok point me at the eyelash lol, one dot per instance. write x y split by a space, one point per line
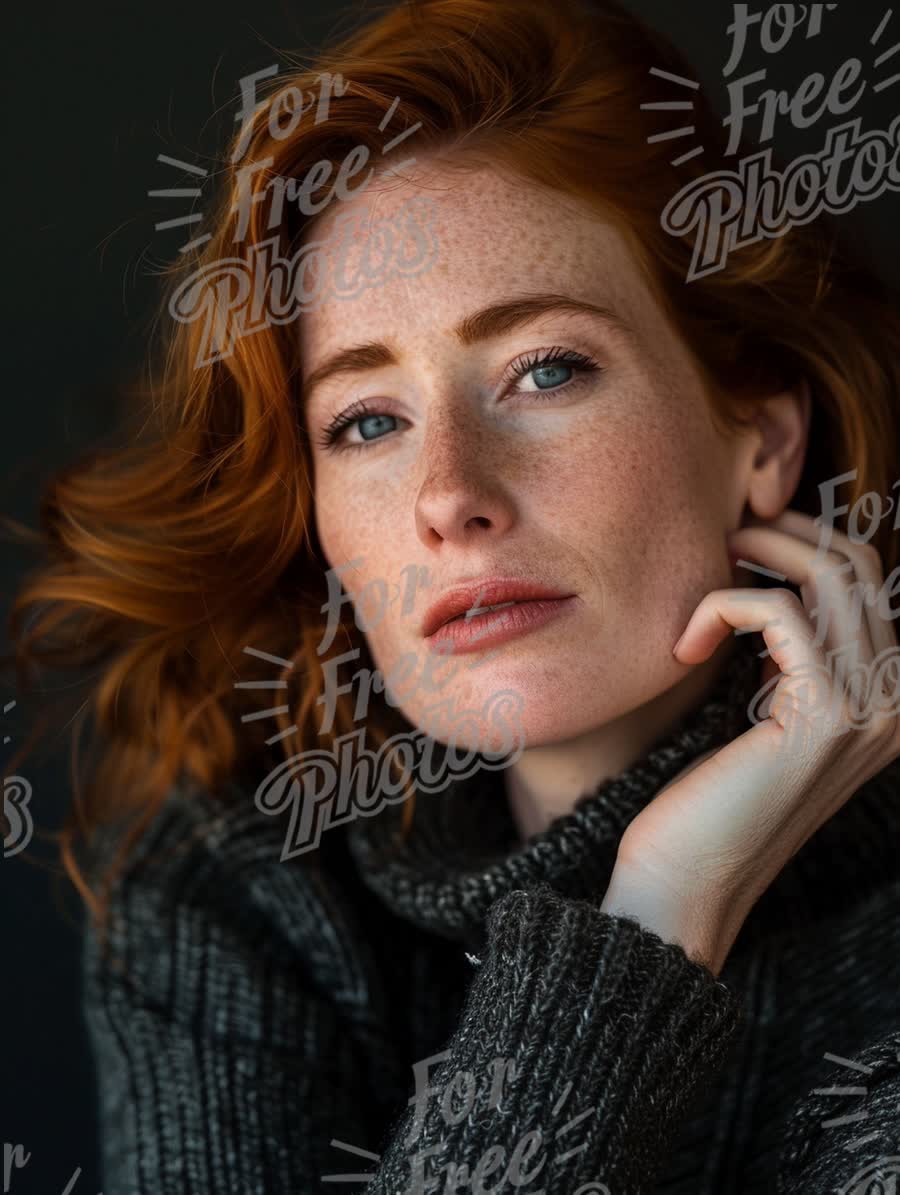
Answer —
585 365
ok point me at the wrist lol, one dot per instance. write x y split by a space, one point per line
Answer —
659 907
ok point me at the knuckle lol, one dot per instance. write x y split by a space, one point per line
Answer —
868 556
834 561
781 594
833 567
787 599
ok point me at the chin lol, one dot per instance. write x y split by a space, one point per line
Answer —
502 718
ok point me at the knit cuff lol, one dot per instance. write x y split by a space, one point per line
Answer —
583 1040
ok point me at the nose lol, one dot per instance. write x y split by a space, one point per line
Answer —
463 496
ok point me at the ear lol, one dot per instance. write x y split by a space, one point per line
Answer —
780 427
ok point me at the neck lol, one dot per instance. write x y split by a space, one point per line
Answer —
547 780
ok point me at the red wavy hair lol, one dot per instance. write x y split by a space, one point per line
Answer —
166 558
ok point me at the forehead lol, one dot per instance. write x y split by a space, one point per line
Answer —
494 237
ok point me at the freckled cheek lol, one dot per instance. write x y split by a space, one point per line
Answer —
349 524
678 548
357 528
648 506
615 477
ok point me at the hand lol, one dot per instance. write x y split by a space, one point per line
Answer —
693 863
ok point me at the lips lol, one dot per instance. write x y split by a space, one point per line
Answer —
473 597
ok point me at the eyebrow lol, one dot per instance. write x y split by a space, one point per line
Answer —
495 320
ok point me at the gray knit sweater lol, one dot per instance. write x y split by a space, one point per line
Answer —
455 1013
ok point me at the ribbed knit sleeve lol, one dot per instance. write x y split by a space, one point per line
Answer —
582 1043
230 1060
223 1062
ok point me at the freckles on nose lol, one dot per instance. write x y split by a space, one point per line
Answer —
451 447
463 445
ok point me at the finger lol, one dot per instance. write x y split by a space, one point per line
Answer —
806 686
867 564
830 593
871 595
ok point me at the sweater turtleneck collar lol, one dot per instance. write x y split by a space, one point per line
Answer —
463 850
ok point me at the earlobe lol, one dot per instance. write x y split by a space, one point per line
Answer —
783 422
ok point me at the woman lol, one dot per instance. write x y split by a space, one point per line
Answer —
649 941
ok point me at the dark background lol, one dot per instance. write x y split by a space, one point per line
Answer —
92 95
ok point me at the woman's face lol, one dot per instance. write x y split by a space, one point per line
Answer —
599 474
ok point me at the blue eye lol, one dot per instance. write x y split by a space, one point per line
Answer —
545 365
545 370
359 413
378 421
